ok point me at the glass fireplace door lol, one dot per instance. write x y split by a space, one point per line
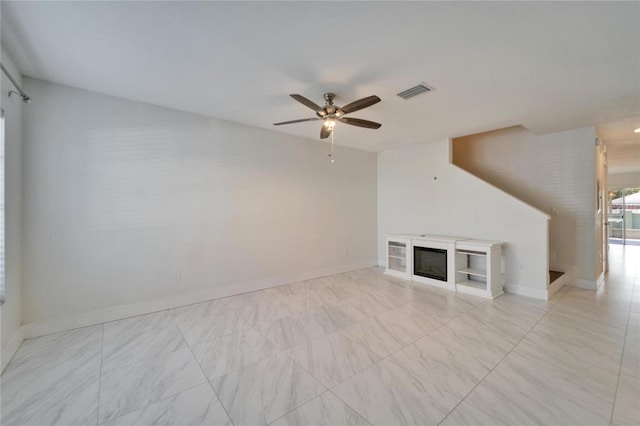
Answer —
430 262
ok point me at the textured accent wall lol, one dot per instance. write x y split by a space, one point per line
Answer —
121 196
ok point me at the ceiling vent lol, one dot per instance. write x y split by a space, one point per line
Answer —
415 91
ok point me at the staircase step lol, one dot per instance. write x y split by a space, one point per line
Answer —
554 275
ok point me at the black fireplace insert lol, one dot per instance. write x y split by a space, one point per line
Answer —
430 262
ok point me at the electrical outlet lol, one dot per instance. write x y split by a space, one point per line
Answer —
346 252
177 276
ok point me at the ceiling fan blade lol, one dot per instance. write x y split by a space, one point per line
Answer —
359 104
304 101
324 132
360 123
296 121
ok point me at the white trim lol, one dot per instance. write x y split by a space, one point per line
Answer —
10 348
536 293
568 269
556 285
586 284
74 321
600 280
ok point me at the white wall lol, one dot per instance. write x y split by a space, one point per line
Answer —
553 171
419 191
121 195
11 310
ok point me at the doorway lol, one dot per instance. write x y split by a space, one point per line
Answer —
624 216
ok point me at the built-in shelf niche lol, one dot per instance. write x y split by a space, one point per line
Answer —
398 258
478 269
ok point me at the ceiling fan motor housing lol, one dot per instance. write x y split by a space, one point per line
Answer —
329 110
329 97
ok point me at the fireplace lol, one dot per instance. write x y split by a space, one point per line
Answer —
430 263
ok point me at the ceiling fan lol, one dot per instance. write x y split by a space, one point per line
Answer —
330 114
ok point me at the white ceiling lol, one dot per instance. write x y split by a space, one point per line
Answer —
548 66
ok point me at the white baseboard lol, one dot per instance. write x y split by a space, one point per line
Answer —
600 280
9 350
86 319
521 290
586 284
589 284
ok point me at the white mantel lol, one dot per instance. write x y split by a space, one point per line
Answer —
427 237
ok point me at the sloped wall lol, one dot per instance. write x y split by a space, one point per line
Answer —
555 173
420 191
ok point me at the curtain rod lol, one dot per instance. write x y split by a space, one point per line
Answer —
25 98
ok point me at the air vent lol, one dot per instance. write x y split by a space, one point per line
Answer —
415 91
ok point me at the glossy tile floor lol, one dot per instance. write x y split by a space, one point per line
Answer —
350 349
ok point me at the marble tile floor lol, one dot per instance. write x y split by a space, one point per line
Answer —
358 348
